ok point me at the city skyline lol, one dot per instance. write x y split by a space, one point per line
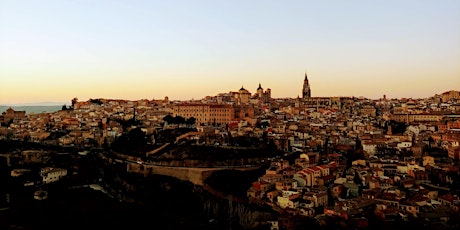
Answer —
53 51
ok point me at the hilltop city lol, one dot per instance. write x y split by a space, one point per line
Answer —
339 162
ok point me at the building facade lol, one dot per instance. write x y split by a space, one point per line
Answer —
205 113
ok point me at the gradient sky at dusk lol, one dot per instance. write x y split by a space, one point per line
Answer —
53 51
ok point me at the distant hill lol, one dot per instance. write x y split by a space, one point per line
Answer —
33 109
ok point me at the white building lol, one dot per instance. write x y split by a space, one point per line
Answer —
50 174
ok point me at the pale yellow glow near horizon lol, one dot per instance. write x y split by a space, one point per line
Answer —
180 87
58 85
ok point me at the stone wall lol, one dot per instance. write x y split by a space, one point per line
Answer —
194 175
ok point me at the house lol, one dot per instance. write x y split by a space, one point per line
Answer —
39 136
19 172
288 171
304 178
302 162
417 150
411 207
288 199
253 192
318 198
371 193
451 201
353 208
34 156
307 211
258 189
50 174
286 184
272 194
435 214
325 180
454 152
271 178
285 221
273 225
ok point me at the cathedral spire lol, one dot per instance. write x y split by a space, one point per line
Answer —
306 92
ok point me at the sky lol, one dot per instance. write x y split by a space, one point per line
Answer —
56 50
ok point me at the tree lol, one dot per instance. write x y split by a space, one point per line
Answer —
179 120
64 107
356 179
132 143
358 144
168 119
430 142
190 121
106 145
26 138
397 127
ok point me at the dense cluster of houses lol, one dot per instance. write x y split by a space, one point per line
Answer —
410 146
384 188
404 174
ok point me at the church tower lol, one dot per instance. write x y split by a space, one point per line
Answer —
306 92
260 91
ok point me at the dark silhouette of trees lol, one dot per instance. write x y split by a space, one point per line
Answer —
170 135
126 124
430 142
190 121
246 141
397 127
358 144
356 179
264 124
133 143
178 120
96 101
168 119
234 182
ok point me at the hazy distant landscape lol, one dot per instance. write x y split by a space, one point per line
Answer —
33 109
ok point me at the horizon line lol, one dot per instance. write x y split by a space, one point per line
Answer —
65 103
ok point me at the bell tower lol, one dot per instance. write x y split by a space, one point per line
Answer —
306 92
